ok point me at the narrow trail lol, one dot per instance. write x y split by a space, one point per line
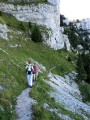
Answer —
24 105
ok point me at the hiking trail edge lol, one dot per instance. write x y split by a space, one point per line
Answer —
24 105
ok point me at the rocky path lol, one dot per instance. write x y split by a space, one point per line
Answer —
24 104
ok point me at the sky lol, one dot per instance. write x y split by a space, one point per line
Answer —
75 9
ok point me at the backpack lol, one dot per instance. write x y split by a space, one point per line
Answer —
29 69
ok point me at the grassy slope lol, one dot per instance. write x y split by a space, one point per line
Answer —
23 3
12 72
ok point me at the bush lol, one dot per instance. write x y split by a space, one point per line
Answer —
29 25
36 35
85 91
83 67
0 13
81 76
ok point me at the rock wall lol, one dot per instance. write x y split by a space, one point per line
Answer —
84 24
3 31
43 14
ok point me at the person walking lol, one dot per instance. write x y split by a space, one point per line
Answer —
35 71
29 73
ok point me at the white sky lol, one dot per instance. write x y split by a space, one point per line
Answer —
75 9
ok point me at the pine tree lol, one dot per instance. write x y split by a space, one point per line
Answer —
0 13
81 73
86 61
36 35
29 25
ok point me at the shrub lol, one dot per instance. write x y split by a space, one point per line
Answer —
83 67
85 91
0 13
81 76
36 35
29 25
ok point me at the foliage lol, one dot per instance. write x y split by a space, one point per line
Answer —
85 91
0 13
36 35
81 74
23 2
83 67
30 25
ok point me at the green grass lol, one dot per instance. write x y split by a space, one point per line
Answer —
12 70
25 3
12 22
85 91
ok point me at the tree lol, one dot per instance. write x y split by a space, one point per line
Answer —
29 24
0 13
81 73
86 64
36 35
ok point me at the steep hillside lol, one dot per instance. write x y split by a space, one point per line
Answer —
14 52
56 93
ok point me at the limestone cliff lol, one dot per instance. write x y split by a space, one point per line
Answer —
84 24
43 14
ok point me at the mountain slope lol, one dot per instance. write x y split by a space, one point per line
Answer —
14 53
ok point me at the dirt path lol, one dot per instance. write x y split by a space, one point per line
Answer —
24 104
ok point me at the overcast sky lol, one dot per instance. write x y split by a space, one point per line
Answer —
75 9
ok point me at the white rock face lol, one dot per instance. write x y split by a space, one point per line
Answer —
79 47
66 21
43 14
56 3
3 31
84 24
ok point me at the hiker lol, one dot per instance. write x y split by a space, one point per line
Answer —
35 71
29 72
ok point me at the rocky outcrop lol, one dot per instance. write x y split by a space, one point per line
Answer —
43 14
84 24
3 31
66 92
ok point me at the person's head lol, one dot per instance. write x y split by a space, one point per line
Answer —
35 63
29 61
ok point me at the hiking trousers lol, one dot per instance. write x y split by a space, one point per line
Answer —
29 79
